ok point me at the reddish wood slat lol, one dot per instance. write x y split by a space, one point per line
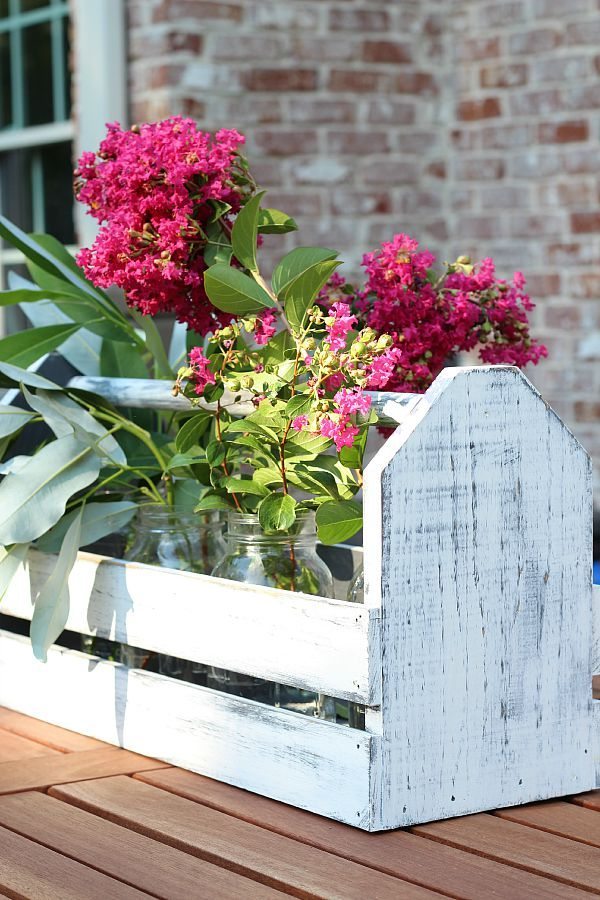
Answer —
536 851
558 817
13 746
590 800
32 872
131 857
44 733
269 858
60 768
398 853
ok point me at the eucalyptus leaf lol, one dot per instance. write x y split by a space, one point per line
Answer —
97 520
177 348
232 291
245 233
33 499
51 609
295 264
25 347
277 512
338 520
14 464
10 560
12 419
15 376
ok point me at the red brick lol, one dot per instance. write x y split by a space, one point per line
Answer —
479 169
572 194
163 76
558 9
581 160
538 40
544 284
504 197
296 203
535 103
193 108
560 68
391 172
572 254
437 169
585 222
280 80
475 49
482 227
174 10
506 76
562 317
414 201
360 203
420 142
586 32
466 138
498 14
247 109
286 143
329 48
420 83
358 143
387 52
388 111
500 137
581 97
535 163
563 132
533 226
353 80
587 411
471 110
359 20
586 285
322 110
253 47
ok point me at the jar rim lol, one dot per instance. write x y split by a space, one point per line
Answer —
158 514
246 526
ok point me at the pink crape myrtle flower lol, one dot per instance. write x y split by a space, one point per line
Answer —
201 374
342 433
349 401
337 330
265 327
299 423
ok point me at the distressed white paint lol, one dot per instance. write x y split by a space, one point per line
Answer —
293 758
475 638
323 645
479 513
144 393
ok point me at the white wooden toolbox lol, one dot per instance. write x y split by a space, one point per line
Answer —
472 652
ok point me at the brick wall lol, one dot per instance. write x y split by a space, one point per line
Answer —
472 125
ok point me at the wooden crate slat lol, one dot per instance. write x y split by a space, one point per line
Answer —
398 853
137 860
323 645
281 862
281 754
479 512
528 848
30 870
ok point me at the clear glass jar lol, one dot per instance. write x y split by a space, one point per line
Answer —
356 594
286 561
190 542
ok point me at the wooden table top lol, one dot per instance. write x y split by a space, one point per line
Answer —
81 819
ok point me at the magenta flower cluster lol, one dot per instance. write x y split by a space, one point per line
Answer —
155 189
431 317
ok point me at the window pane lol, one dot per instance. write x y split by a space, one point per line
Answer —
37 60
5 82
3 9
28 5
58 192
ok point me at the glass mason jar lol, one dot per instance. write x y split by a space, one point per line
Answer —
286 561
190 542
356 594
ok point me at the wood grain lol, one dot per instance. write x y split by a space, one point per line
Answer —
590 800
478 513
276 752
32 872
319 644
254 852
528 848
45 733
44 771
139 861
400 853
560 818
13 746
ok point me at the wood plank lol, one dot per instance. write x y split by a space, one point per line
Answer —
45 733
527 848
294 758
48 770
329 646
32 872
478 515
274 860
13 746
596 687
591 800
137 860
397 853
560 818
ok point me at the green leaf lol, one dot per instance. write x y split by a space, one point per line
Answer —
216 451
187 493
64 416
26 347
15 375
12 419
162 367
304 445
10 560
278 348
33 499
32 295
267 476
295 264
352 457
118 361
273 221
231 291
212 500
299 405
97 520
302 292
277 512
338 520
245 232
218 249
51 609
191 431
244 486
181 460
